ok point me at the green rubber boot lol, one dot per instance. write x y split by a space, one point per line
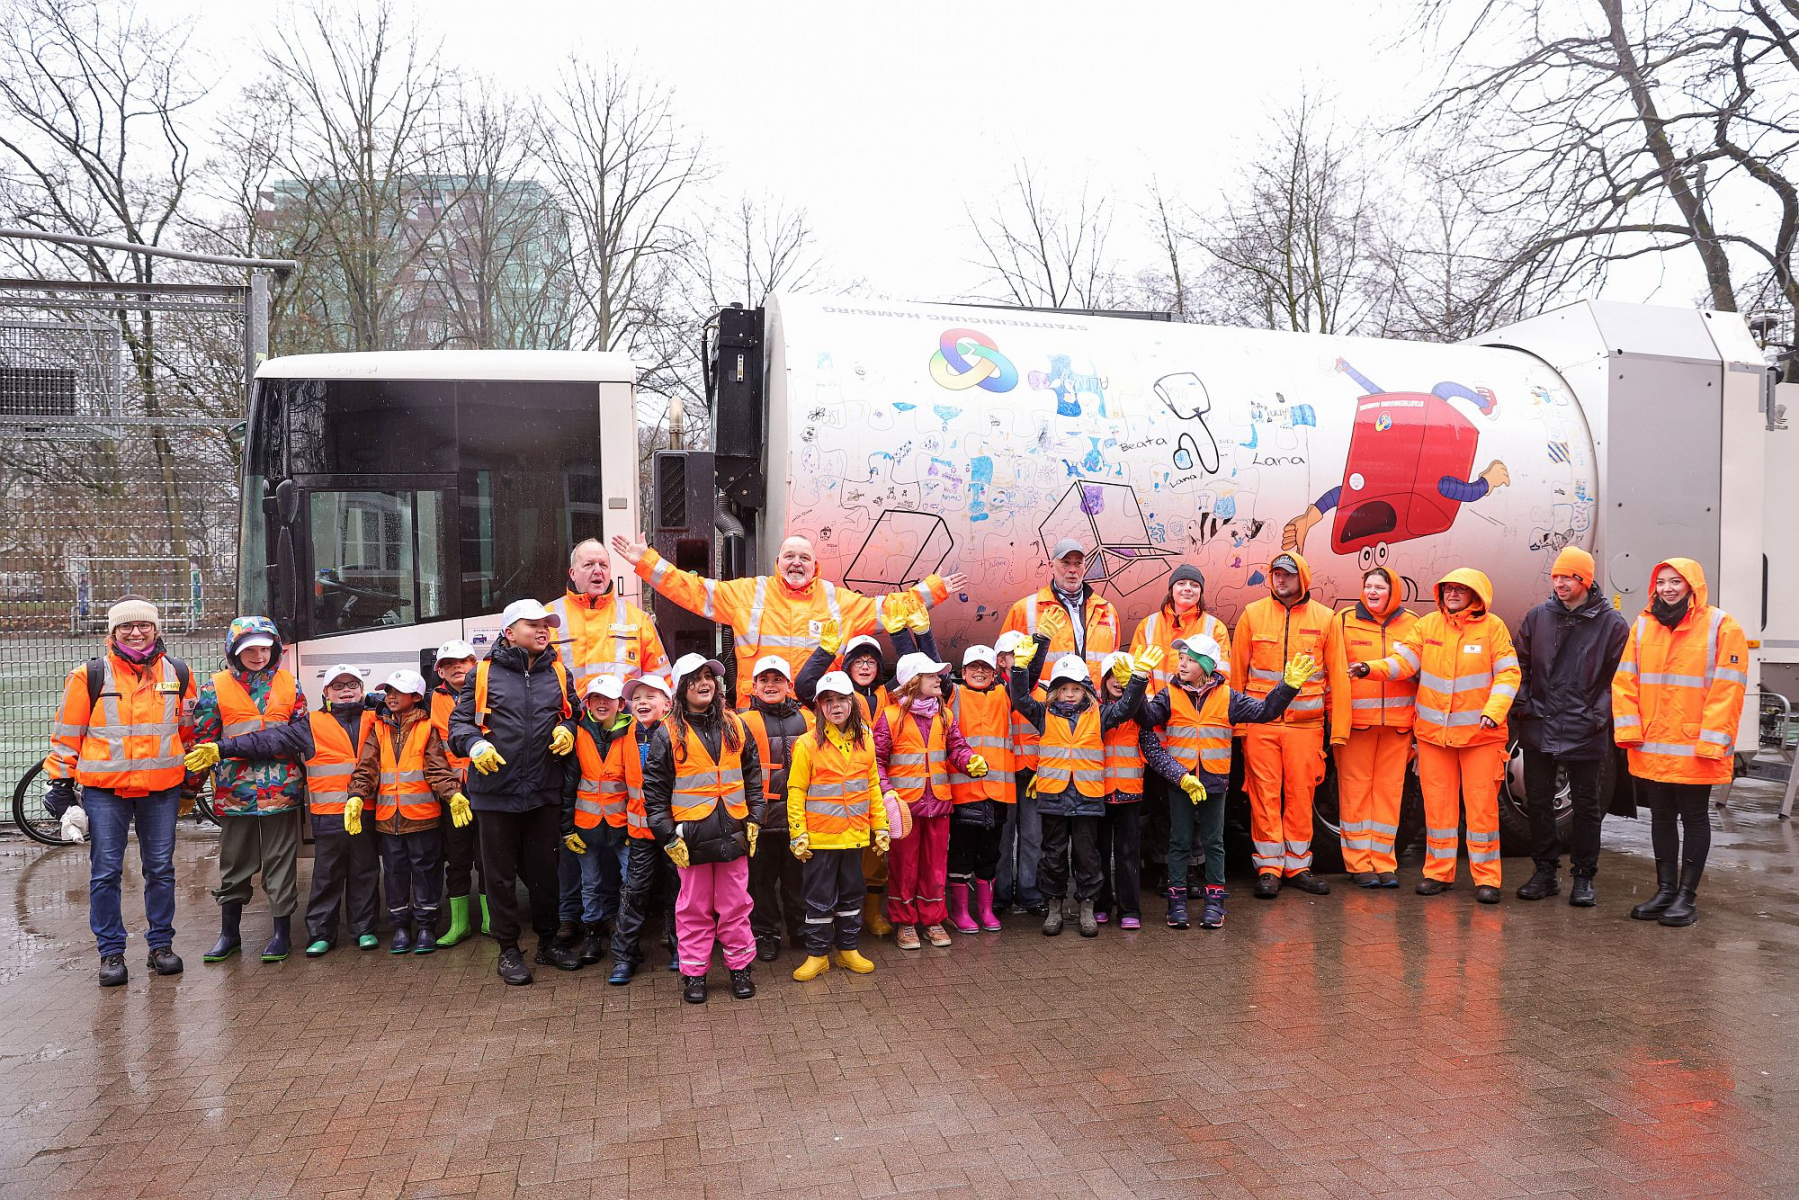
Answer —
484 926
318 949
458 922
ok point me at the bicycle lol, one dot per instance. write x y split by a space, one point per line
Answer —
35 822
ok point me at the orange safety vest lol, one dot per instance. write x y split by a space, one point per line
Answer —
837 798
757 724
1124 761
601 794
239 714
1025 737
1199 736
625 645
1161 628
403 785
985 719
1378 702
443 703
882 699
128 741
912 761
333 761
1269 635
1099 623
1466 669
1073 754
481 706
637 821
700 783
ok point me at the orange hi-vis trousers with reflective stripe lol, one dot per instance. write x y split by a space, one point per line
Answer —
1460 780
1282 765
1370 785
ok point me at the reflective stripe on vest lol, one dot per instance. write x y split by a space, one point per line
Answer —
238 714
112 750
630 752
700 782
601 794
607 648
403 786
1124 761
1072 754
443 703
333 761
985 721
837 798
757 724
911 760
1199 736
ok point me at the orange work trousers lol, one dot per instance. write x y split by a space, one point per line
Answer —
1461 783
1370 784
1282 765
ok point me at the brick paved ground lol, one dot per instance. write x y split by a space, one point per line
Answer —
1354 1044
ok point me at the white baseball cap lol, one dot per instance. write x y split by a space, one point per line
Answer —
1011 641
256 639
612 687
836 682
652 681
1071 667
455 650
979 654
687 664
528 610
915 664
1200 647
857 643
406 681
1111 660
336 671
773 662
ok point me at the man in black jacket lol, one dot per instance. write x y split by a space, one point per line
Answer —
1568 649
775 721
512 721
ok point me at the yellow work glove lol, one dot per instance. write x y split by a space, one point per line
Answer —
460 814
1147 662
894 613
1194 787
353 815
1299 669
883 841
751 831
1121 670
801 845
561 741
677 852
1025 653
201 757
486 759
918 618
977 766
830 637
1031 788
574 843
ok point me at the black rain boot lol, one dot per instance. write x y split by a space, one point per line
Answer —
1582 894
230 940
1667 876
1684 910
281 944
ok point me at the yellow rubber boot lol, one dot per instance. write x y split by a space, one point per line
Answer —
814 966
873 919
852 960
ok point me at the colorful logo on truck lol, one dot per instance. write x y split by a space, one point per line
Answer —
966 358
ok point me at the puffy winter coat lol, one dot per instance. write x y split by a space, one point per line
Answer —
1567 658
719 836
1368 636
1465 665
526 701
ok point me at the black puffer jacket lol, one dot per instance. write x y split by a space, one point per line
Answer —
786 724
720 836
1568 657
526 704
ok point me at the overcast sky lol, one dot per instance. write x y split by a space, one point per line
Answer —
884 122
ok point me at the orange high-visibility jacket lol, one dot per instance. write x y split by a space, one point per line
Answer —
870 711
757 724
1677 698
1124 762
630 748
238 713
1269 635
700 783
833 792
443 703
1099 619
1025 737
1368 637
912 760
605 635
1465 665
985 719
404 787
1198 735
1165 627
601 794
132 738
1073 755
333 761
768 617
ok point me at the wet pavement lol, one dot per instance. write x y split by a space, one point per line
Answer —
1359 1043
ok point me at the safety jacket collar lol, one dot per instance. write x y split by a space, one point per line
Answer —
1206 687
788 707
1589 608
1392 614
1694 574
583 600
516 658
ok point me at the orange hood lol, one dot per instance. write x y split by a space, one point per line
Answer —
1305 573
1475 581
1394 597
1690 571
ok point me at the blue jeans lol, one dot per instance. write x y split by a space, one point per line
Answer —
110 817
1020 845
590 884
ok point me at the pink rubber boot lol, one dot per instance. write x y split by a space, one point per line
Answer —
958 909
983 894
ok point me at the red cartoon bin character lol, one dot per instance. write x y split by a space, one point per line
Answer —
1406 475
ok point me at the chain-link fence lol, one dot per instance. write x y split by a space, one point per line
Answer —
121 415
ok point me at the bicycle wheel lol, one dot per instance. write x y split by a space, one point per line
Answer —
203 810
30 815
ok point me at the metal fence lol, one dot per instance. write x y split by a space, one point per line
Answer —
121 417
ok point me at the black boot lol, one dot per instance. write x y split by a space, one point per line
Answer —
1667 876
282 943
742 986
1684 910
1541 885
593 948
1583 896
693 989
113 972
230 940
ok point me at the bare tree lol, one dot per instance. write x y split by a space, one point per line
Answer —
756 247
1040 251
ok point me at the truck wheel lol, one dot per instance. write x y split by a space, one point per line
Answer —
1327 823
1514 809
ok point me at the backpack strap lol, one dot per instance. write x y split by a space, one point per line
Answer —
96 679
